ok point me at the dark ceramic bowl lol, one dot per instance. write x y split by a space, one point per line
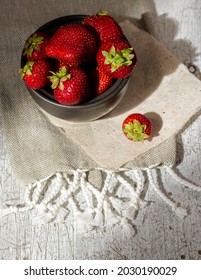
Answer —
89 111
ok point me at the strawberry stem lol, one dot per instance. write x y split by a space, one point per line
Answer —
57 79
118 58
102 13
32 43
135 131
27 69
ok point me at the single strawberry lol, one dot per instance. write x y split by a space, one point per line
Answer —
70 88
35 45
105 26
116 58
73 44
35 74
100 81
137 127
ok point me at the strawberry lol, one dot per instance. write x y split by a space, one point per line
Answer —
116 58
106 28
73 44
137 127
35 45
61 64
35 74
100 81
70 88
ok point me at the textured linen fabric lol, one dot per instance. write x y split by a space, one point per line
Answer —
36 143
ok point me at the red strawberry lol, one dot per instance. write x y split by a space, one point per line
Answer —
35 45
100 81
73 44
104 26
70 88
137 127
35 74
116 58
61 64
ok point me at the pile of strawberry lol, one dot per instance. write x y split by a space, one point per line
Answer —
80 60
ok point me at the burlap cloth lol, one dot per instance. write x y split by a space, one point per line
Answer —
88 162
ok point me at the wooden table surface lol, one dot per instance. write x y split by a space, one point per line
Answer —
160 233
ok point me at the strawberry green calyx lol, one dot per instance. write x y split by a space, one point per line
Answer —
118 58
102 13
57 79
32 44
135 131
27 69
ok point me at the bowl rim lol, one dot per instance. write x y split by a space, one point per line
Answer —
62 18
90 103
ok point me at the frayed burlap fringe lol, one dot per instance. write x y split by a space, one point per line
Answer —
71 195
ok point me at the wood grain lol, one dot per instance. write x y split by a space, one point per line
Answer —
160 233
